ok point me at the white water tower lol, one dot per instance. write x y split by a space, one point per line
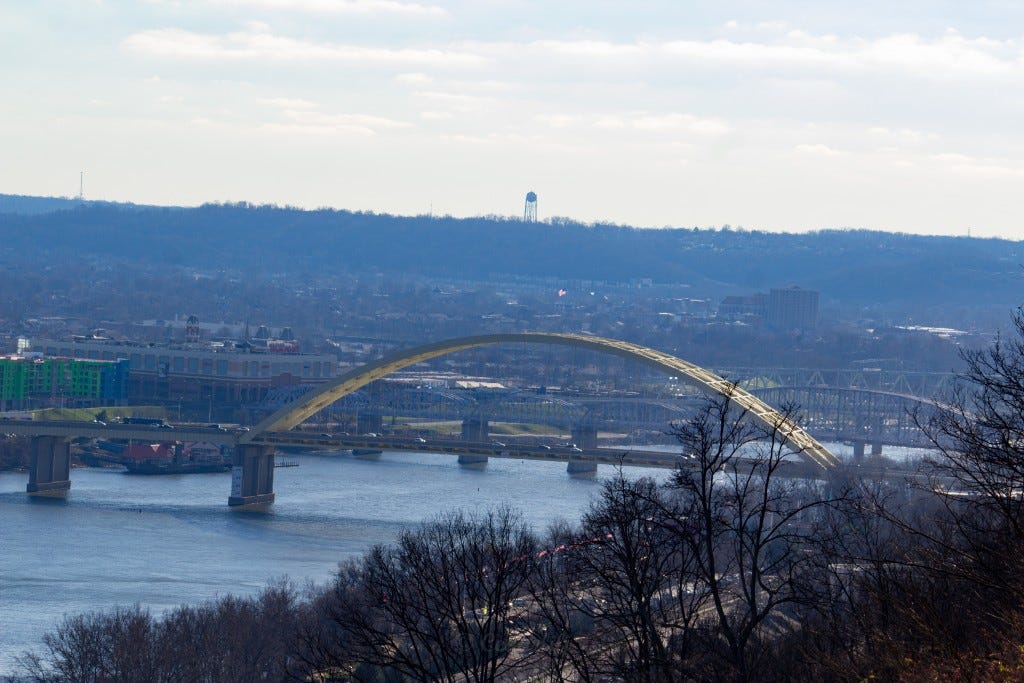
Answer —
530 214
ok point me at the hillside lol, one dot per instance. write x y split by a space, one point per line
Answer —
852 267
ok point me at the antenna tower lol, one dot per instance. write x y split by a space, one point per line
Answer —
530 213
81 185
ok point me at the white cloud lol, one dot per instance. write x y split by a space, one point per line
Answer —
676 121
818 149
315 118
350 7
415 79
949 56
436 115
262 45
964 164
288 103
904 136
456 101
556 120
645 122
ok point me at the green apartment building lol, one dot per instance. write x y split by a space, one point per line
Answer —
30 382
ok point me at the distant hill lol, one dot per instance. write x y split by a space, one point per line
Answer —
20 204
853 267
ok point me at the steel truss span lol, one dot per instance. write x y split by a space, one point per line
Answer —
796 437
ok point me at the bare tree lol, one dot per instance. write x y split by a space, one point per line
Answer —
558 616
609 598
979 472
436 605
751 530
231 640
95 648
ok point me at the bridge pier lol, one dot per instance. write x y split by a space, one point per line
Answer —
876 449
369 424
585 437
858 450
467 460
581 469
49 470
476 429
252 475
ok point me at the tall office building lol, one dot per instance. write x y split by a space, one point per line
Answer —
793 308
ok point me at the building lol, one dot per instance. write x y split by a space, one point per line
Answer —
34 382
793 308
221 372
750 309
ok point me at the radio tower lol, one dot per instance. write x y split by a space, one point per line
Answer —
530 214
81 194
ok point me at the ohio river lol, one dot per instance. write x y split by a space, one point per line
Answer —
164 541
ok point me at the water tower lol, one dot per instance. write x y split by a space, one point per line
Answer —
530 214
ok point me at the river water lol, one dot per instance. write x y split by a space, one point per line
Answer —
163 541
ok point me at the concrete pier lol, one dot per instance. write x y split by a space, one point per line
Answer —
476 429
467 460
252 475
581 469
585 437
369 424
49 470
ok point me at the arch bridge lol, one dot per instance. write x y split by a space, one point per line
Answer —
253 476
253 461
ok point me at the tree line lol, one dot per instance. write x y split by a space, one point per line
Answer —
727 571
251 239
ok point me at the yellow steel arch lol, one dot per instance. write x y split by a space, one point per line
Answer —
797 438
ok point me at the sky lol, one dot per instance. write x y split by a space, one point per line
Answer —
782 116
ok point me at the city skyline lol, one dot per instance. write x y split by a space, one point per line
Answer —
775 118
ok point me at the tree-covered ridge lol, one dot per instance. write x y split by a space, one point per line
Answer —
852 266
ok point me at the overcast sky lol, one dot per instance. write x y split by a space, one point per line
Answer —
903 116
